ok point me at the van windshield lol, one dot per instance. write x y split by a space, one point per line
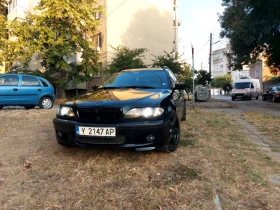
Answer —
242 85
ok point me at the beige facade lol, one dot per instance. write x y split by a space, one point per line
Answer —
137 24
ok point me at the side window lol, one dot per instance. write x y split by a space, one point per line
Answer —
30 81
44 83
10 80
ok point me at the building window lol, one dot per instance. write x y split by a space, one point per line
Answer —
97 40
11 5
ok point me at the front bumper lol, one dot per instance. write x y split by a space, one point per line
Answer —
128 135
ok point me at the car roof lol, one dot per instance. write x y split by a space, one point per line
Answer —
18 74
145 69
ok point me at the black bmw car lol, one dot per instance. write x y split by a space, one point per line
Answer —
134 108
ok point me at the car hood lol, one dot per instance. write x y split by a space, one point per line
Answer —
121 97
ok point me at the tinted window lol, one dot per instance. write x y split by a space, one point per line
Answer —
9 80
30 81
45 84
242 85
149 78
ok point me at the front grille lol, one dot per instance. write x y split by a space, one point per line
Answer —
100 114
97 140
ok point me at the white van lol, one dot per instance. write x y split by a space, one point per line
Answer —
246 88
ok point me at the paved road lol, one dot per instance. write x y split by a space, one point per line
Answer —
251 105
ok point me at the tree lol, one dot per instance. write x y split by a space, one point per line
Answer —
54 34
126 58
185 76
169 60
220 81
3 30
253 29
202 77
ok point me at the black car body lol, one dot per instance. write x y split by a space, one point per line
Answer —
272 94
134 108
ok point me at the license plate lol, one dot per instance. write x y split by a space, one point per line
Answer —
96 131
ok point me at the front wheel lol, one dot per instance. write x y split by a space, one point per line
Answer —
233 98
46 103
174 134
263 98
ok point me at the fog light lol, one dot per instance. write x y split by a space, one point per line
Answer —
150 138
59 133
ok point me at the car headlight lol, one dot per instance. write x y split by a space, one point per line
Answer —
65 111
147 112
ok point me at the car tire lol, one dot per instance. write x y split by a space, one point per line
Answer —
263 98
46 103
174 134
250 97
29 107
1 107
232 98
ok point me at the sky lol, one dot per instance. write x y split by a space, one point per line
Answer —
199 19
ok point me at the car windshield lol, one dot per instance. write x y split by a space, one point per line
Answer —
242 85
138 79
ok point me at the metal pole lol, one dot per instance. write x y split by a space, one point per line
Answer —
193 75
210 59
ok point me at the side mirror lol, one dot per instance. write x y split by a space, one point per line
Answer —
180 86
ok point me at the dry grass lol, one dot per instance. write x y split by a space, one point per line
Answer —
213 157
268 124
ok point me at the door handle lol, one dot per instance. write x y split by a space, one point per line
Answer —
15 89
39 89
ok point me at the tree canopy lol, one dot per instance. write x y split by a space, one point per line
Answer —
126 58
220 81
253 27
3 30
172 61
202 77
56 34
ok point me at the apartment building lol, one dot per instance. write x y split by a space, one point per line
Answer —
260 71
221 64
136 24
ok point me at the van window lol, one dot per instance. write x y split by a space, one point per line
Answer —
242 85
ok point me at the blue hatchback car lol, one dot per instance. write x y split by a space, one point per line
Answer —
26 90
